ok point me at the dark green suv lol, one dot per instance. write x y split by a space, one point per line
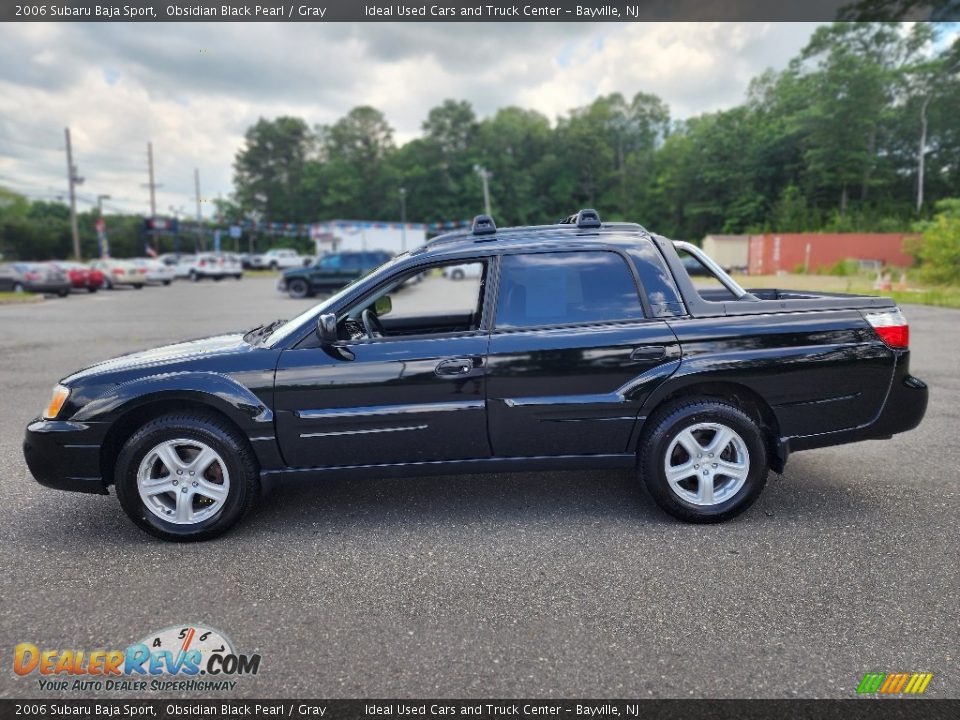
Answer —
330 272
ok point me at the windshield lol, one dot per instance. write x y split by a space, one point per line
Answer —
291 326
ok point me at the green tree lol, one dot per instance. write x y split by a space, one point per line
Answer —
269 169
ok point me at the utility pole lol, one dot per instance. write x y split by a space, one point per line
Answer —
485 176
403 219
153 197
72 180
196 185
103 248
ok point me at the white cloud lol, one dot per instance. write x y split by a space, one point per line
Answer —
193 89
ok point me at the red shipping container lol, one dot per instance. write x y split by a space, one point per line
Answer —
774 252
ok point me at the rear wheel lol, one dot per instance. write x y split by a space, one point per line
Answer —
186 477
457 274
703 460
91 289
298 289
63 293
18 287
166 282
138 286
194 277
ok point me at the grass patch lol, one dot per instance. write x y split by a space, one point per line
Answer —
262 273
939 295
14 298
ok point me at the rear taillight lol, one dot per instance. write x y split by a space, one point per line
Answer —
891 326
117 271
202 263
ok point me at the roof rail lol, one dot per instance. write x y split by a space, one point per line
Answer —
585 218
483 225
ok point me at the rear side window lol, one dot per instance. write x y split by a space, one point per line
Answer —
564 288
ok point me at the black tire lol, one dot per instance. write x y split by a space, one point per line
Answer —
194 277
273 266
238 277
107 283
217 434
166 282
91 289
667 423
138 286
298 289
18 288
457 274
63 293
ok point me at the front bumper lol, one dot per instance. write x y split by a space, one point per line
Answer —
65 455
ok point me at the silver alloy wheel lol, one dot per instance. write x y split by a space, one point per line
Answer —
707 464
183 481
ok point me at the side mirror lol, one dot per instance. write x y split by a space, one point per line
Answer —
383 305
327 328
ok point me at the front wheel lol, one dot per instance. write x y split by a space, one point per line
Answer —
166 282
703 460
186 477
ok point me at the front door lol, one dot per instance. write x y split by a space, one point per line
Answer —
414 390
572 355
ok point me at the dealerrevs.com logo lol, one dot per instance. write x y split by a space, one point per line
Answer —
894 683
177 658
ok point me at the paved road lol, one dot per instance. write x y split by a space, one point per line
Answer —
549 584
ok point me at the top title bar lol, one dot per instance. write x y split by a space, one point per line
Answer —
480 11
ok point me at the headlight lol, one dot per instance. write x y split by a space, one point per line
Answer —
60 395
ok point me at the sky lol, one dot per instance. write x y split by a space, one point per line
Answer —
193 89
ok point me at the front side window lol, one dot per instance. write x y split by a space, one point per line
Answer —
427 302
564 288
330 262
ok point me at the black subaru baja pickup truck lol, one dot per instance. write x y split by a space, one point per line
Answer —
576 345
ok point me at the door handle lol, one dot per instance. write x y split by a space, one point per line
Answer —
456 366
649 352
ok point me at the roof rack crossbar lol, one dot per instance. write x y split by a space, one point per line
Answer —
484 225
585 218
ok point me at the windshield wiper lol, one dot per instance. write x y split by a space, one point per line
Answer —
259 333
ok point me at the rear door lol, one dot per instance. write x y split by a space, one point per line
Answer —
573 355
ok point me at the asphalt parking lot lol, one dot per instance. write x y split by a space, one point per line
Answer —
532 585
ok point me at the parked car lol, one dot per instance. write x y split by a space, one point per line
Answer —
581 345
330 272
120 272
278 259
461 272
181 269
34 277
81 277
215 265
156 271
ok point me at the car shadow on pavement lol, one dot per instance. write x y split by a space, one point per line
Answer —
300 507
